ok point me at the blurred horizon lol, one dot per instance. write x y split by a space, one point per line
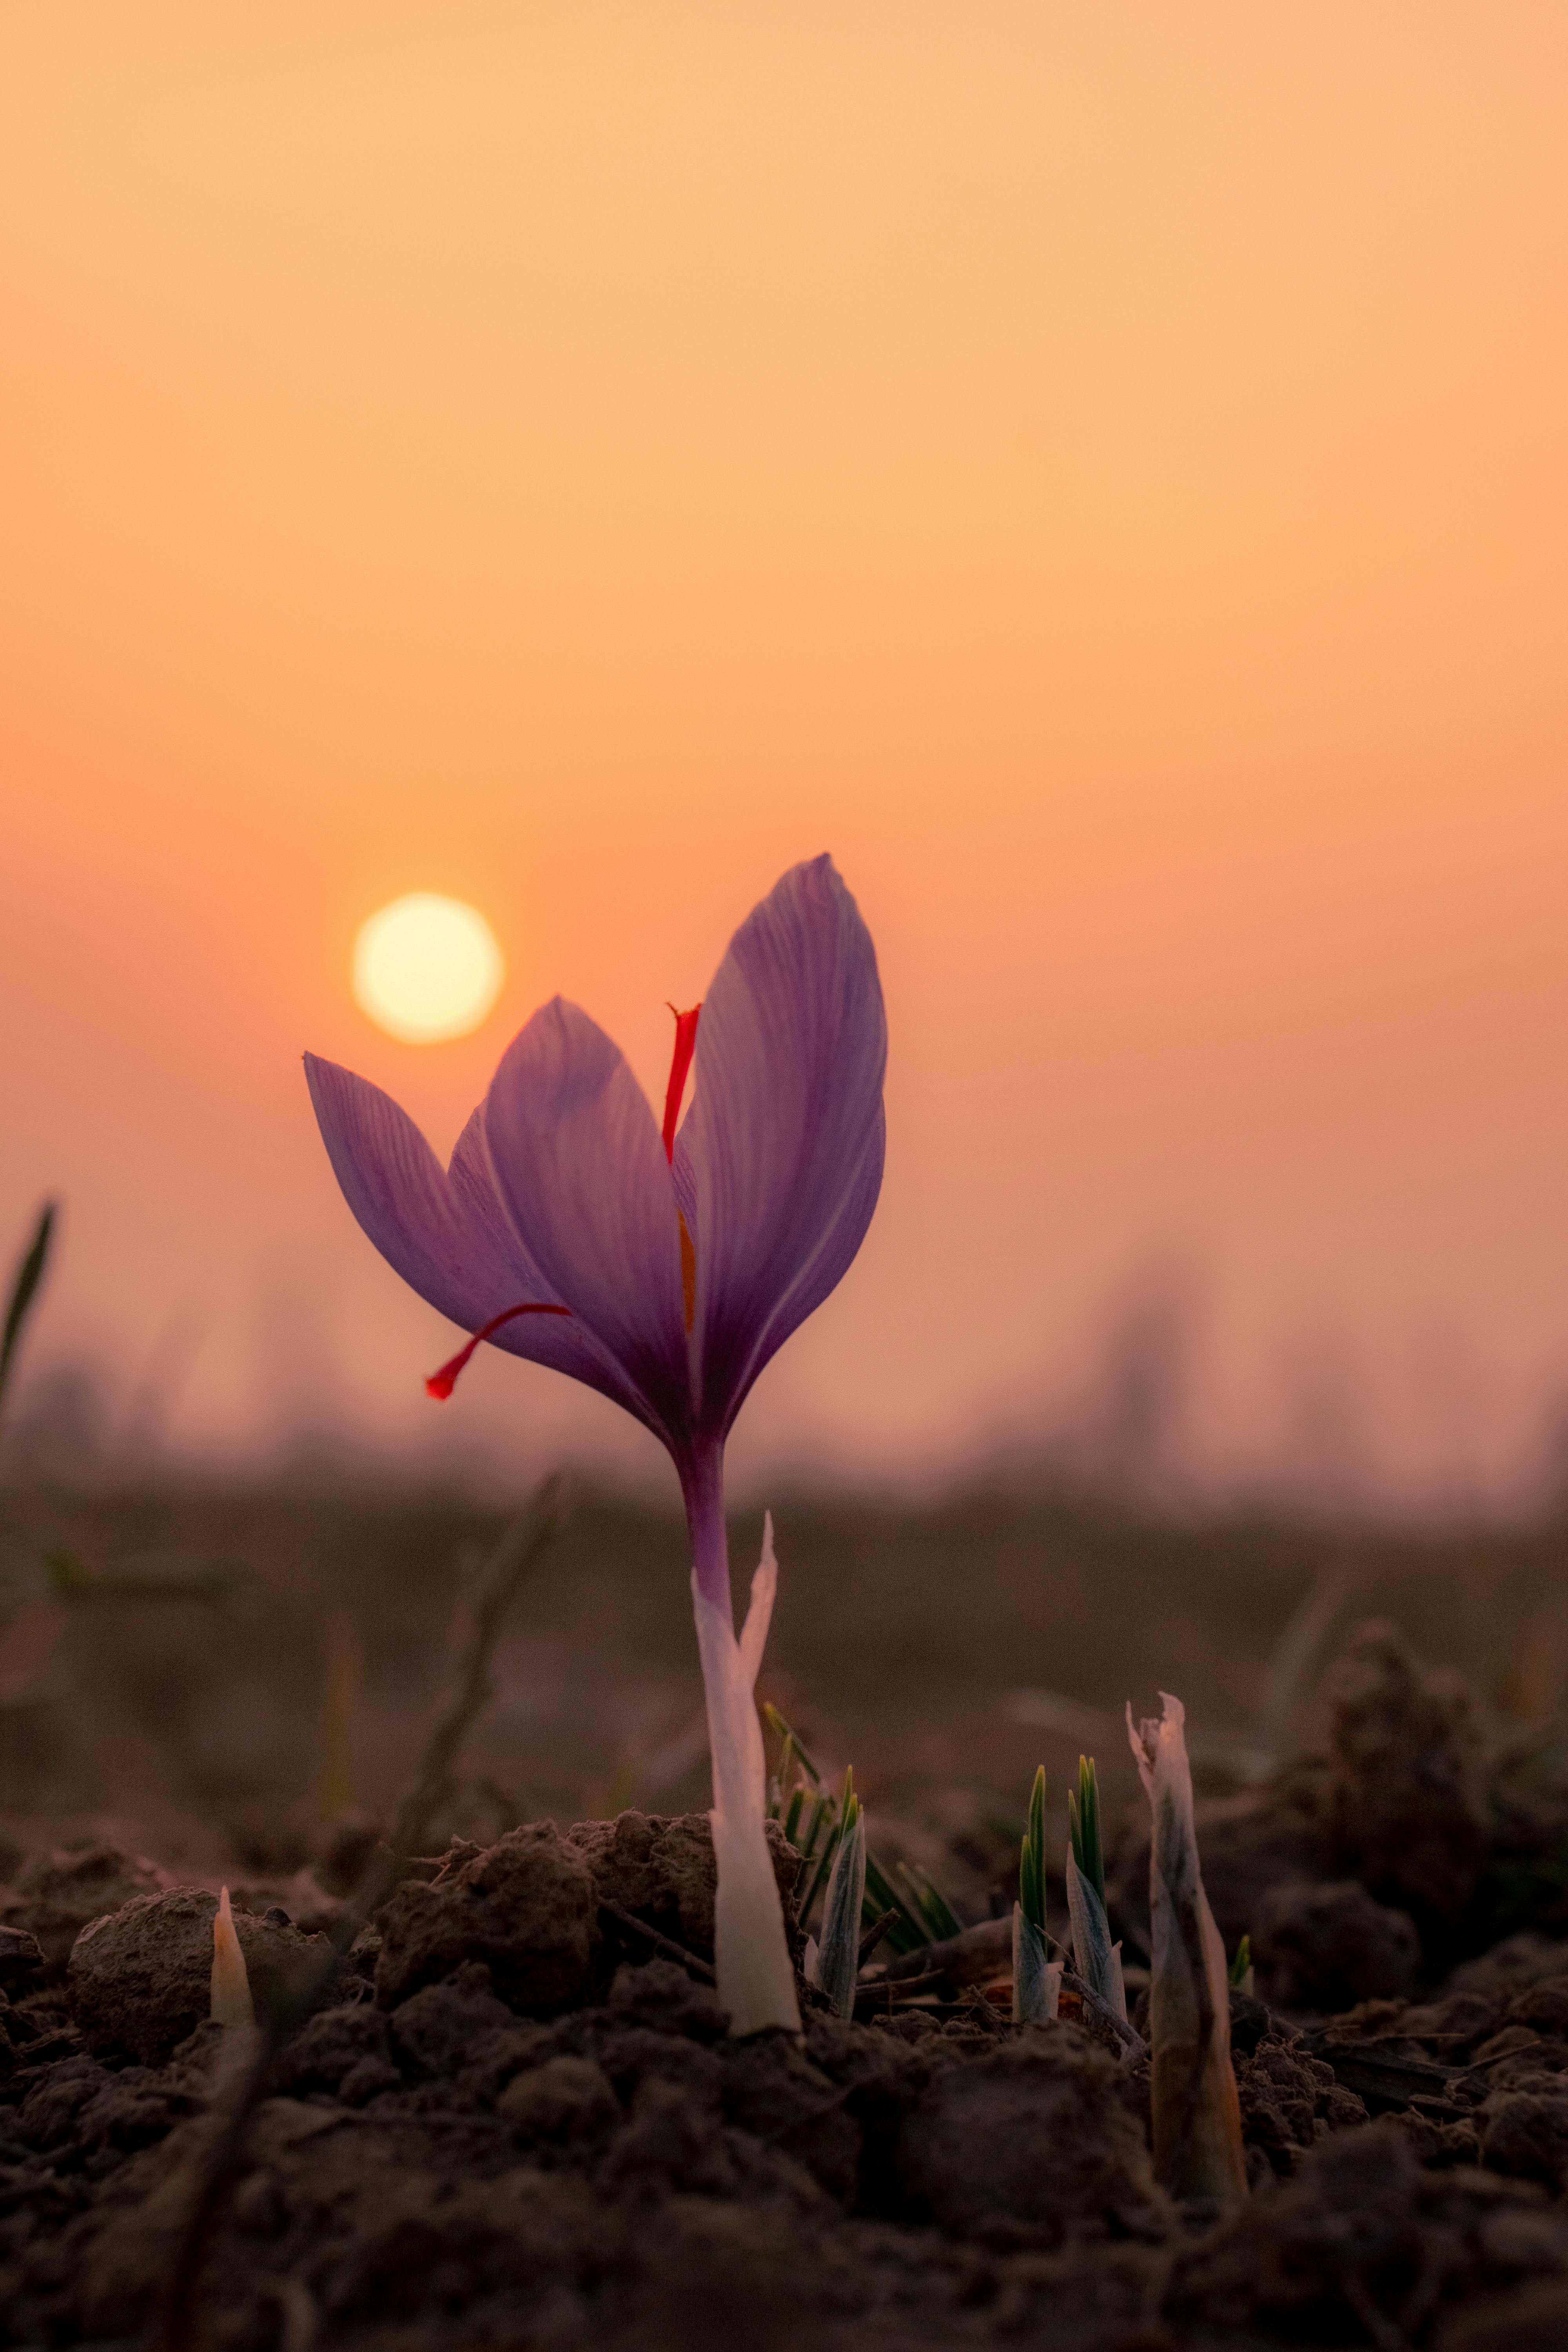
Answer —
1101 476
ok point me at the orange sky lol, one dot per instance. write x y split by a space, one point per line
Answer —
1101 472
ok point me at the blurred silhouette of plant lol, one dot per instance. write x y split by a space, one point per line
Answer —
24 1290
42 1582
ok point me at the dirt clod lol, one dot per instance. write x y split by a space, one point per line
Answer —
1060 2150
661 1868
1404 1803
525 1908
1324 1947
1524 2130
55 1895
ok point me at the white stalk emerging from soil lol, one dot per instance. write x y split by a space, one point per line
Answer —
1197 2117
751 1954
231 2002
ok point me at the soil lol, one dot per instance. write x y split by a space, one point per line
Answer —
520 2123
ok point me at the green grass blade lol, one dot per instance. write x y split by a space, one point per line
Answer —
1083 1826
792 1741
908 1931
937 1915
1032 1857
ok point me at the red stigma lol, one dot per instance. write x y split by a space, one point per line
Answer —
440 1384
685 1047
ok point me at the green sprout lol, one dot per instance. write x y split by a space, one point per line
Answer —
838 1958
1083 1826
1241 1967
811 1818
1096 1960
1032 1857
936 1914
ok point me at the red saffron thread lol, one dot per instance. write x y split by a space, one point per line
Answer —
685 1047
441 1384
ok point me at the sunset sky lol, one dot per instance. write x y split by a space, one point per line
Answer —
1099 471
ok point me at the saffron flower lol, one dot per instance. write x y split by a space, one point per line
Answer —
663 1267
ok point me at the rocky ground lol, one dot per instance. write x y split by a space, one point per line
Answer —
518 2123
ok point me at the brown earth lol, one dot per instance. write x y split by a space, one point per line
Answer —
509 2129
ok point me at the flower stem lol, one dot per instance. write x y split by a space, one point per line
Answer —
702 1488
751 1953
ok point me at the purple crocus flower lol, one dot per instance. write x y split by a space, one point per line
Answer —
662 1269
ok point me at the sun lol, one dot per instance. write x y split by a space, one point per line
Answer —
426 968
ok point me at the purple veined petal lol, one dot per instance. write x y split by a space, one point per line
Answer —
844 1232
577 1162
399 1192
446 1234
786 1133
563 1344
683 1177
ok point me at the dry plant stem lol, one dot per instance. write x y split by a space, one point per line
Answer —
514 1557
872 1936
969 1957
667 1945
1132 2042
1196 2112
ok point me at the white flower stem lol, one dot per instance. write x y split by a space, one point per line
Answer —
751 1954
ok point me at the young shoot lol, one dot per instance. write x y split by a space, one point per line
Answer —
936 1914
1083 1825
810 1816
1096 1960
231 2002
1036 1984
1197 2114
1242 1975
838 1955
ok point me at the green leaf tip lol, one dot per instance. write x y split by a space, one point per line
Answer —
1083 1825
1032 1857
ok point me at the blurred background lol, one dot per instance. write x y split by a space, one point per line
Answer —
1099 472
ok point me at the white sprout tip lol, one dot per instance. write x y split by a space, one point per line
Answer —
231 2002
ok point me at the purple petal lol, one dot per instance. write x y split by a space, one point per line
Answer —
576 1160
786 1133
447 1235
399 1191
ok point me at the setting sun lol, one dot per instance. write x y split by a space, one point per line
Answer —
426 968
